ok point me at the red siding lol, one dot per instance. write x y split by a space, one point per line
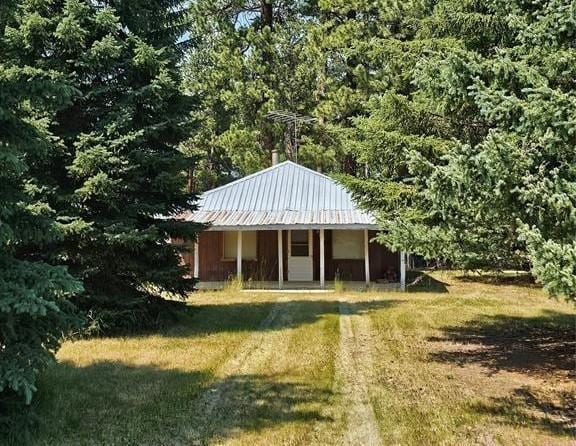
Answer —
383 263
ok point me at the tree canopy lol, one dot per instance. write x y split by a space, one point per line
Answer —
472 156
34 308
119 175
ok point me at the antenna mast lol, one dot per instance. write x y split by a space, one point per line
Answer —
291 118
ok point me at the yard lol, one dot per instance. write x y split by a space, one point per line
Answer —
466 361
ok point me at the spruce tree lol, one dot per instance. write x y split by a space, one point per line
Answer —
35 312
470 147
528 158
119 175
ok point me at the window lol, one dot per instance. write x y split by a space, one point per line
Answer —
249 245
299 244
347 244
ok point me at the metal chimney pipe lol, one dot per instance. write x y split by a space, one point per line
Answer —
275 157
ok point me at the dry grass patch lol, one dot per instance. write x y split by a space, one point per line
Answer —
457 360
481 363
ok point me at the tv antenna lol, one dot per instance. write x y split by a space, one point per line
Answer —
291 118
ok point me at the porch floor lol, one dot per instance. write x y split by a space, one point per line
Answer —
272 286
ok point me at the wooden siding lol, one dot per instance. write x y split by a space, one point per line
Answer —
214 268
383 263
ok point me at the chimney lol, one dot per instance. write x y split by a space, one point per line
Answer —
275 157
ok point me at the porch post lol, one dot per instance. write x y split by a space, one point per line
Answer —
322 260
196 260
239 256
403 271
367 256
280 260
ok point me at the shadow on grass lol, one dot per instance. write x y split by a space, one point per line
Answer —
113 403
253 403
422 282
513 279
541 344
553 412
249 316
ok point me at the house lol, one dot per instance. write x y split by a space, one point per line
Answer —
288 223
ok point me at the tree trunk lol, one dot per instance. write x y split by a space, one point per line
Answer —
351 61
350 166
190 183
267 13
267 18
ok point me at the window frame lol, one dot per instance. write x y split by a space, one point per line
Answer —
309 244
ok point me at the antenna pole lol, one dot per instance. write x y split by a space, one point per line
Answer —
296 141
288 118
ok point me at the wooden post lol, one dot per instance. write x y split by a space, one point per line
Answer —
239 256
403 271
196 260
280 261
367 256
322 260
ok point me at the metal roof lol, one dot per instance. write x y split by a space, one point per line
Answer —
284 196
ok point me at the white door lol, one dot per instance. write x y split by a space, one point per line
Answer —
300 256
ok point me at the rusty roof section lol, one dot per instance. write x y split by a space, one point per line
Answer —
284 196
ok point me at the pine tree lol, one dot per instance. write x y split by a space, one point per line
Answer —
119 174
528 157
248 59
35 312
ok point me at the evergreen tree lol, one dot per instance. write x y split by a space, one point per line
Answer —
472 157
527 160
119 174
35 312
248 59
363 52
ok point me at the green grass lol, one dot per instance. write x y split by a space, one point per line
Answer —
457 360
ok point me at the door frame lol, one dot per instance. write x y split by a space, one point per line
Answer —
310 256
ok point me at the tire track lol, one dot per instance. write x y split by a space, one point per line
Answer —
252 354
355 373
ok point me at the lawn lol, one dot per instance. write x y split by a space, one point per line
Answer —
461 360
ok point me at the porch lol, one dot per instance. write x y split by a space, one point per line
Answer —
299 287
295 258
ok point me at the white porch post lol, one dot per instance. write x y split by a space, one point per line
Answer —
367 256
239 256
322 260
280 260
403 271
196 260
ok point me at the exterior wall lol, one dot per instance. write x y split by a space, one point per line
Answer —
214 268
383 263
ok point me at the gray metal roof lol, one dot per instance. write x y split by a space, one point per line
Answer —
284 196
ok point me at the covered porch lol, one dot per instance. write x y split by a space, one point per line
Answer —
295 257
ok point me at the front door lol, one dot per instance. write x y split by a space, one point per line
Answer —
300 256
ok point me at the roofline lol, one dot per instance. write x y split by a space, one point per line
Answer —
351 226
260 172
